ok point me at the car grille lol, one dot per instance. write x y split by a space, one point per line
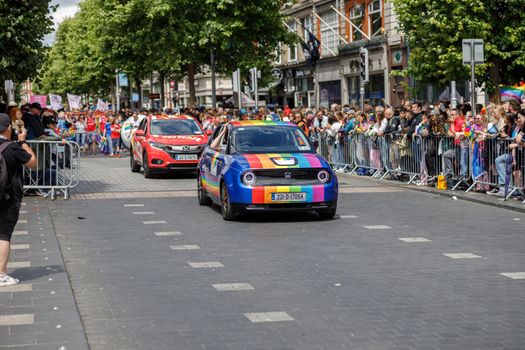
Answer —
286 177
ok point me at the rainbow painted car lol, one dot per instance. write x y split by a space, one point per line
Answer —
251 166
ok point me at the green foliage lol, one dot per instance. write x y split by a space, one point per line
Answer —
434 31
23 25
172 37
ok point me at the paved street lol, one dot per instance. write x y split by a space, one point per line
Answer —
397 269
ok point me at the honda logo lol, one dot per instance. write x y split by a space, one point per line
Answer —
288 175
185 148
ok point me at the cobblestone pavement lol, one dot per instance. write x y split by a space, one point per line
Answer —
397 269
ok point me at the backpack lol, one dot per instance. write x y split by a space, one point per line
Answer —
5 182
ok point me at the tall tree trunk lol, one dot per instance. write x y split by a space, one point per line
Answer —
138 83
495 79
192 102
162 92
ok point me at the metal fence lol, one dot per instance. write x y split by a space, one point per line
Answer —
468 165
57 170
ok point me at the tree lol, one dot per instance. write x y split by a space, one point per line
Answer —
22 29
434 31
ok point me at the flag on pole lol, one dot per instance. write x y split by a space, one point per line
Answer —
101 105
516 92
311 48
55 102
74 101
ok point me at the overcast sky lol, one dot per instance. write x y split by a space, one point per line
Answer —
66 8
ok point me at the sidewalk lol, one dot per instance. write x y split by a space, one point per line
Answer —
480 198
40 312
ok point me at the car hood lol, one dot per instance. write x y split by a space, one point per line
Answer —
180 139
279 161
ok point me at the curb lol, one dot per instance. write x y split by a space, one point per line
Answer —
469 197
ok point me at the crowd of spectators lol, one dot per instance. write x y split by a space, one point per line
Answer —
461 143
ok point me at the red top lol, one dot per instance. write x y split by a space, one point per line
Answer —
90 124
115 131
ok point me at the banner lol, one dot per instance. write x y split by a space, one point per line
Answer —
55 101
101 105
73 101
41 99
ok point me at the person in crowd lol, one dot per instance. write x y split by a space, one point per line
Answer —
460 149
81 132
115 137
16 155
332 141
15 115
511 155
33 122
91 131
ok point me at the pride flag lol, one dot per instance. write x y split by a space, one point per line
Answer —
512 92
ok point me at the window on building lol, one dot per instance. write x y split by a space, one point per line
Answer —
375 20
292 49
357 18
328 37
308 26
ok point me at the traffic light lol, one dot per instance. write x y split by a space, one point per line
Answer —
363 64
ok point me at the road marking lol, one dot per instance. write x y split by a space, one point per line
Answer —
154 222
185 247
227 287
24 203
17 233
462 256
21 212
168 233
279 316
20 246
133 205
378 227
22 222
415 240
28 287
514 275
143 212
348 216
16 320
205 264
18 264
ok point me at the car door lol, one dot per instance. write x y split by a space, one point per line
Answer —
214 163
138 147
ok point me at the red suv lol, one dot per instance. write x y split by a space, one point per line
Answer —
165 143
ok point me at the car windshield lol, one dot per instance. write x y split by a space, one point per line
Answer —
269 139
175 127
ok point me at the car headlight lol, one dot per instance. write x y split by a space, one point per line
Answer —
323 176
249 178
158 145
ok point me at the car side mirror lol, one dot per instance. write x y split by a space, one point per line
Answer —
139 133
209 132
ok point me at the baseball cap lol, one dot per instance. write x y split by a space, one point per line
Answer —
4 121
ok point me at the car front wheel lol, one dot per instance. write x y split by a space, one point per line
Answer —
145 166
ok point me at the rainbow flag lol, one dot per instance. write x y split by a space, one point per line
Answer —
512 92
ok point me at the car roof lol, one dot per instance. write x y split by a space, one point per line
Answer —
238 123
171 117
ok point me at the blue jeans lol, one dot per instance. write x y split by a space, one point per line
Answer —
501 167
80 139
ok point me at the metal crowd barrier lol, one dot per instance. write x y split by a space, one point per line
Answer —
471 165
58 168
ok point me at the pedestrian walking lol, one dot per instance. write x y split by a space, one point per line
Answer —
13 155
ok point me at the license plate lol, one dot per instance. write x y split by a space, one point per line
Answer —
289 197
186 157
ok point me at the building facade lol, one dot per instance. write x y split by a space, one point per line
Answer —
342 27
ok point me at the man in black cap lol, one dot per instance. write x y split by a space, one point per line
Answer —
15 155
32 121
